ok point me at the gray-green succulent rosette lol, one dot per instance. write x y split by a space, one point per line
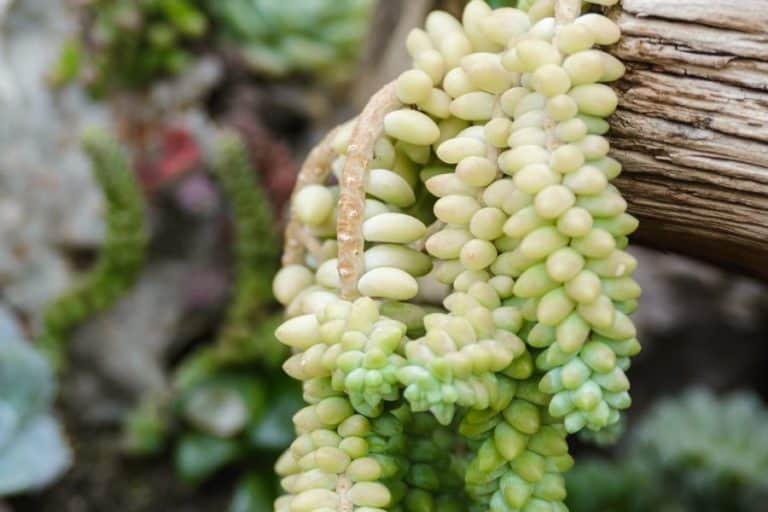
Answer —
33 451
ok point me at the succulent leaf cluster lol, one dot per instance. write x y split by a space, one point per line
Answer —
127 45
492 290
698 451
121 254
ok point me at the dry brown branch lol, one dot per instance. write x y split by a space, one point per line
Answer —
310 243
692 127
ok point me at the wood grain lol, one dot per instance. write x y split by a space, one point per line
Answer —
692 127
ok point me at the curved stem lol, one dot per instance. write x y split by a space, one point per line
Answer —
314 171
567 10
343 485
349 227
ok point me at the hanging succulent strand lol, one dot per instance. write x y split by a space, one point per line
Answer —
121 255
505 319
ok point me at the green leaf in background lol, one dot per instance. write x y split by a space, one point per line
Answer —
278 38
198 456
275 430
146 428
224 405
252 494
35 457
68 66
195 368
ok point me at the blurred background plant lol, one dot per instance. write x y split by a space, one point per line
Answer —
697 452
33 451
278 38
120 257
230 402
128 44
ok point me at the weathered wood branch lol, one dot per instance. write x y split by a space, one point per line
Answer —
692 125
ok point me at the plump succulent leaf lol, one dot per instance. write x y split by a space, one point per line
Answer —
26 389
36 456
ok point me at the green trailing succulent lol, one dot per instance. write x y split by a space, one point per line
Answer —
121 255
230 403
128 44
245 335
256 251
696 452
33 451
503 311
278 38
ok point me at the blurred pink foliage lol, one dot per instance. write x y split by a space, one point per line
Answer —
176 154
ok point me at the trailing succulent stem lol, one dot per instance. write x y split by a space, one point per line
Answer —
468 265
245 337
256 253
218 408
121 255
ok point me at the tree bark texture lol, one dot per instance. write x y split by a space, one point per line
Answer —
692 125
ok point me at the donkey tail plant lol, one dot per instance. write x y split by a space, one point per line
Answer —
121 255
499 127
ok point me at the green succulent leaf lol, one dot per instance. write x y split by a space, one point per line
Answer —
224 405
198 456
252 494
146 428
275 430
